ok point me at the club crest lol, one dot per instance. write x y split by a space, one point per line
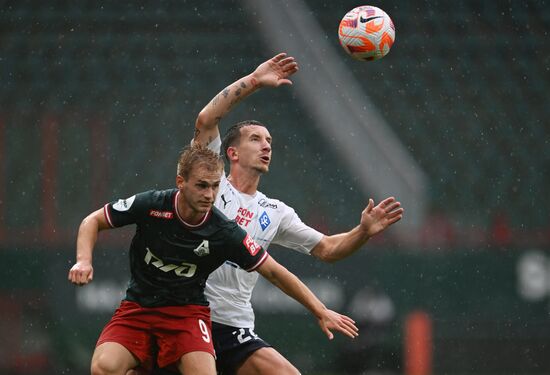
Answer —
202 249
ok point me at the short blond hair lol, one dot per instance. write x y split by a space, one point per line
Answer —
197 154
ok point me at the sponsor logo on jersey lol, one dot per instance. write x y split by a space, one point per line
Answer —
265 203
251 246
202 249
183 269
224 201
161 214
264 221
244 217
124 204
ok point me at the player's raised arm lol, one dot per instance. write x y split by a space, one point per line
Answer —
292 286
271 73
374 220
82 272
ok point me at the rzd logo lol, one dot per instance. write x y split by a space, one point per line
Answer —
183 269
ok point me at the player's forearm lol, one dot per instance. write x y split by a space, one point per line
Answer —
88 233
296 289
339 246
86 239
82 272
224 102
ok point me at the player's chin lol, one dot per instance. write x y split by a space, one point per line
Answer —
262 168
204 207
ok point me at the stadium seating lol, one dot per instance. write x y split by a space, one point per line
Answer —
464 90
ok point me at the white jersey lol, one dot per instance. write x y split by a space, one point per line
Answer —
229 288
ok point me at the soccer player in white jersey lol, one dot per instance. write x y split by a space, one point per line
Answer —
247 147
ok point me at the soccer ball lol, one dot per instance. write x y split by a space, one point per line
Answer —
366 33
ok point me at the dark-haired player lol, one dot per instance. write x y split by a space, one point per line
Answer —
247 147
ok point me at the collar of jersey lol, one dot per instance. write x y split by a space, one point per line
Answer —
244 195
191 226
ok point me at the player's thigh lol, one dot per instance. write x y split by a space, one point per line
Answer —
267 361
197 363
112 358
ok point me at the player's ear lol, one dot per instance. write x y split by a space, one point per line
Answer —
232 153
179 182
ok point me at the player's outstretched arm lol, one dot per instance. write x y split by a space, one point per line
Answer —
82 272
271 73
292 286
374 220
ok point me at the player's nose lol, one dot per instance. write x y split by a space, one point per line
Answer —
210 193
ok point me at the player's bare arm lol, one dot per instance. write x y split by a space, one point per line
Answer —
82 272
292 286
271 73
374 220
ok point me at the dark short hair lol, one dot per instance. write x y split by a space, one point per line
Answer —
232 136
197 154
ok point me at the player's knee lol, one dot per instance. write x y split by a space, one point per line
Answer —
103 366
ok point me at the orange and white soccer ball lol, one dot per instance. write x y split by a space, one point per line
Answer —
366 33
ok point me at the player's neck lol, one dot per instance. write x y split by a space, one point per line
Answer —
188 215
246 183
193 219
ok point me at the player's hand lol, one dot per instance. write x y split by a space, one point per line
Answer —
375 219
275 71
81 273
331 320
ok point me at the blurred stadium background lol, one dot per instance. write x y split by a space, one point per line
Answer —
98 97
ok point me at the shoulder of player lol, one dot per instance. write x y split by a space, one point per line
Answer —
140 206
264 201
158 197
219 219
157 203
222 224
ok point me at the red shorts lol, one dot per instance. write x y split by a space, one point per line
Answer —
176 330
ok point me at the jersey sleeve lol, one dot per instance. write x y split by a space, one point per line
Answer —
245 251
215 145
294 234
125 211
